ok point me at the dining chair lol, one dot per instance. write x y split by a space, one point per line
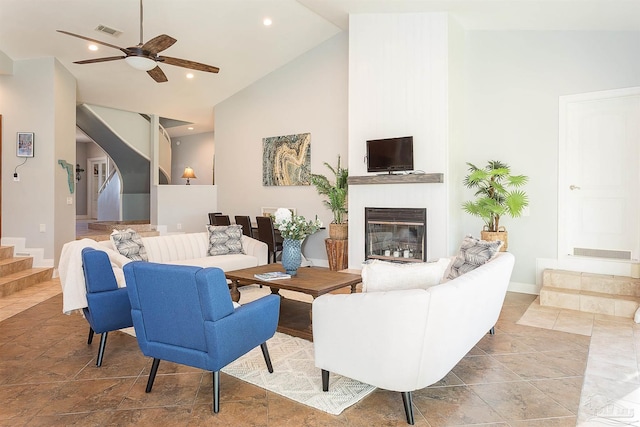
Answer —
221 220
108 308
245 222
212 216
267 234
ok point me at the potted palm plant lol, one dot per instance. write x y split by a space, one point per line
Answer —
336 198
497 194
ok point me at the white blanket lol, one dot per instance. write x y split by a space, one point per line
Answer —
74 294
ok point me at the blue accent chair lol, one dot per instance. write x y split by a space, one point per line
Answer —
108 308
184 314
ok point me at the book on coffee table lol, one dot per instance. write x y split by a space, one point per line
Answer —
272 276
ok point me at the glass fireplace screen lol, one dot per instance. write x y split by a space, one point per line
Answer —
396 234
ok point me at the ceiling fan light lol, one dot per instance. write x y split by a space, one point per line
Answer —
140 63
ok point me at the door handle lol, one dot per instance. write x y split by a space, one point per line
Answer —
574 187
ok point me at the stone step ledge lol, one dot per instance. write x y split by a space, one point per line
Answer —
589 301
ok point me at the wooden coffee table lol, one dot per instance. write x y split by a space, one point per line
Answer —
295 316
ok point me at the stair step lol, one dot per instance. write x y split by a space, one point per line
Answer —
6 252
98 237
602 283
589 301
14 264
20 280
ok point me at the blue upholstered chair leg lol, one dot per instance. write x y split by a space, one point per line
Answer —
152 374
408 407
216 392
90 339
103 343
267 359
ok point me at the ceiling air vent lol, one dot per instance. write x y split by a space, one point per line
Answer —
108 30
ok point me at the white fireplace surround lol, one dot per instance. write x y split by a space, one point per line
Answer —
399 92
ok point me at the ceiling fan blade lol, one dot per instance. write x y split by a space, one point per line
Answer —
159 43
92 40
108 58
188 64
157 75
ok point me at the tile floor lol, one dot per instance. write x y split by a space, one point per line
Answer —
523 376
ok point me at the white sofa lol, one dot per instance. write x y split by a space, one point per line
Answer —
406 340
182 249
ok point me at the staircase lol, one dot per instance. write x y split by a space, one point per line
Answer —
101 230
17 273
592 293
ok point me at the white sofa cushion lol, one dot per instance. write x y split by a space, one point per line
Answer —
129 243
380 275
224 239
472 254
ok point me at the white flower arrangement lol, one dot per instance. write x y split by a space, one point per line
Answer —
294 227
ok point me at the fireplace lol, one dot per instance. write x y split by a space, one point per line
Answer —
396 234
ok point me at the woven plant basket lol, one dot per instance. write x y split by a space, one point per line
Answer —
492 236
339 231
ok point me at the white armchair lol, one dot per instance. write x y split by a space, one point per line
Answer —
406 340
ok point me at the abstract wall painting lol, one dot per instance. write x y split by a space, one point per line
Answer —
286 160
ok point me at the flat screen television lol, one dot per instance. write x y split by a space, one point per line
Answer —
390 154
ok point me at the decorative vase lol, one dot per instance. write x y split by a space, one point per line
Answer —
291 255
339 231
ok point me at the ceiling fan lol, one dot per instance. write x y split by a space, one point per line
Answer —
144 56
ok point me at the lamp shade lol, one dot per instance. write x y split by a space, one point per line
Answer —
140 62
188 173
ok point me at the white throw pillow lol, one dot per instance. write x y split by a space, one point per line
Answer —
129 243
392 276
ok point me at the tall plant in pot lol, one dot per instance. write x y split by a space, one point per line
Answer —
497 194
336 198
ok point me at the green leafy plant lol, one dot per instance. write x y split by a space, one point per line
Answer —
336 193
498 193
294 227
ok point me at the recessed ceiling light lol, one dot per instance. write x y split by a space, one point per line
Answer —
190 128
267 21
189 75
93 47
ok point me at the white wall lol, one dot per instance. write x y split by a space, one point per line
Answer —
195 151
398 86
187 206
64 112
307 95
38 97
514 81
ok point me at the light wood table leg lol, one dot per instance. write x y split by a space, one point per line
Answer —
235 293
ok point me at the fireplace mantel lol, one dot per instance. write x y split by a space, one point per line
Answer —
414 178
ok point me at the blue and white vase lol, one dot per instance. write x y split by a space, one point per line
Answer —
291 255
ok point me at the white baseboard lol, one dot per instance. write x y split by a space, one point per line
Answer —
524 288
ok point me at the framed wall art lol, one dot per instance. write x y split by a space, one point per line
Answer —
24 144
286 160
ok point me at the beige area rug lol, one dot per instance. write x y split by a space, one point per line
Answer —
295 375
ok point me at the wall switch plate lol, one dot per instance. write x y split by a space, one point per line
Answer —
43 228
179 226
526 211
69 200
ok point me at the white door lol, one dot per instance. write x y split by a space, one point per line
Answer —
97 175
599 164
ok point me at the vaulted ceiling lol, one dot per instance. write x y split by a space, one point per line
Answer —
230 34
